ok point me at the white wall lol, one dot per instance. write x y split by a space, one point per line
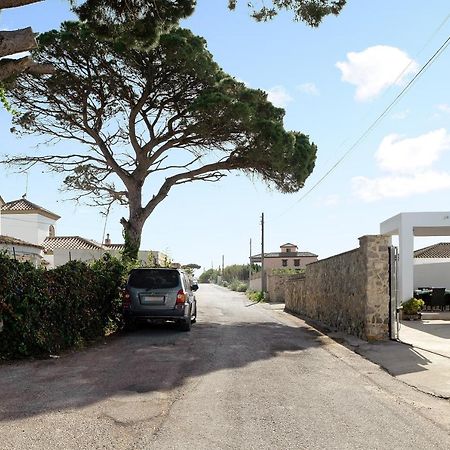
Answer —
255 284
23 253
62 256
31 228
432 275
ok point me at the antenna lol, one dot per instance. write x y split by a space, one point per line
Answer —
26 186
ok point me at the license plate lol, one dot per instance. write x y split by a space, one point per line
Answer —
152 299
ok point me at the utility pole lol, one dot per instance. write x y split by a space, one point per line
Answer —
263 274
250 265
223 264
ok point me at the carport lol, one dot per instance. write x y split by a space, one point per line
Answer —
406 226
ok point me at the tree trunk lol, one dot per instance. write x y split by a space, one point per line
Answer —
132 233
15 3
11 67
12 42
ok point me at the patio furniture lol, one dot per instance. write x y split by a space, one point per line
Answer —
438 298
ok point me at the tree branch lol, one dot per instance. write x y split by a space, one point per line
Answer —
16 3
16 41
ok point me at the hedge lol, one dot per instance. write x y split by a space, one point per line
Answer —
47 311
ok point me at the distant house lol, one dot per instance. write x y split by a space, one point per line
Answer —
288 256
28 231
27 221
432 266
433 253
21 250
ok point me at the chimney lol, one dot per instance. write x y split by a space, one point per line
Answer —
107 240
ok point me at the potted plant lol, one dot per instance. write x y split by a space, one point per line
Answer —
411 309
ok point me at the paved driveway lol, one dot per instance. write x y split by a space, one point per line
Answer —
245 377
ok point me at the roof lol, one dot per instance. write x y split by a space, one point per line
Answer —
288 245
8 240
285 255
115 246
24 206
71 243
441 250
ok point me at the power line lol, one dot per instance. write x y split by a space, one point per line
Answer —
430 61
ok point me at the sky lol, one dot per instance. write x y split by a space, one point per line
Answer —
334 82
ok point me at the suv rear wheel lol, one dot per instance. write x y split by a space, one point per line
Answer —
185 325
194 316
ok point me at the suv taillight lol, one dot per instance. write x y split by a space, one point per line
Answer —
181 297
126 298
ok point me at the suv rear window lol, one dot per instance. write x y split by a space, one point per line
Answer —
154 279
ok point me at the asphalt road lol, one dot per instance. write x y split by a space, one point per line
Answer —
246 377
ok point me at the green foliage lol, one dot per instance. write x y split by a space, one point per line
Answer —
237 272
4 101
133 23
209 276
310 11
45 312
255 296
237 285
191 266
412 306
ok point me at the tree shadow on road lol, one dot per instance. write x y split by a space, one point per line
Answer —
151 359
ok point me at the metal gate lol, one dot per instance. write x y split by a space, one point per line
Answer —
394 306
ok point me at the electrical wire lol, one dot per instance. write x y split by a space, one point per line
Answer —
422 70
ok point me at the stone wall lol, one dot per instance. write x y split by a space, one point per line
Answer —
348 292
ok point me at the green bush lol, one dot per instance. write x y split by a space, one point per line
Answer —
413 306
255 296
44 312
238 286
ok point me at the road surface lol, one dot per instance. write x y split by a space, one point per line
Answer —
246 377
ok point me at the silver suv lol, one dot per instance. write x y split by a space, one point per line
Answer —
159 295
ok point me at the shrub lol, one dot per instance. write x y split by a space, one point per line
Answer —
44 312
413 306
255 296
238 286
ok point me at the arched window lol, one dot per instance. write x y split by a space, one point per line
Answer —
51 231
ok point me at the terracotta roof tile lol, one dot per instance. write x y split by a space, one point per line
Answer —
441 250
24 205
286 255
8 240
115 246
71 243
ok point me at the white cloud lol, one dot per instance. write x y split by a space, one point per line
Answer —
308 88
443 107
331 200
410 154
409 162
400 115
375 69
279 96
370 190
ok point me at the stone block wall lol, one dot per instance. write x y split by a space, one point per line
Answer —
348 292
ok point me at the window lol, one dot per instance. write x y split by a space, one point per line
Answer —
154 278
284 262
288 250
296 262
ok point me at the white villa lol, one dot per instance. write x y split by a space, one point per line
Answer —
28 233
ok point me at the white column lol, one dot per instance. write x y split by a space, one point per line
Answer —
406 261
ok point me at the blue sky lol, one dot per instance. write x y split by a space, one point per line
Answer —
333 82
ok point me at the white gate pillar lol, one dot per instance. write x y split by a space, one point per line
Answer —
406 263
